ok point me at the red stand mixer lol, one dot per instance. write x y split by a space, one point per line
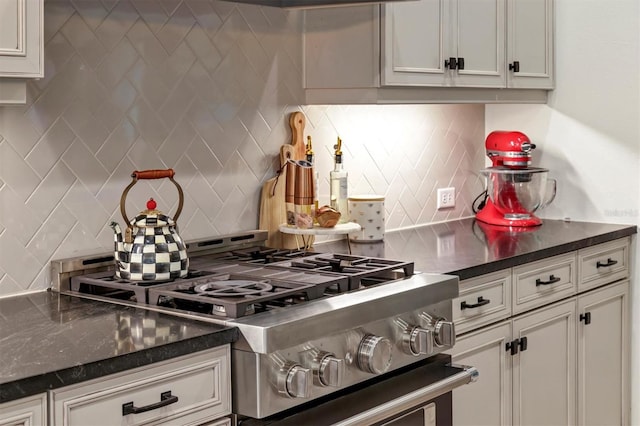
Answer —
514 190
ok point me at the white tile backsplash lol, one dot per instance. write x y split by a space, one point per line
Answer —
204 87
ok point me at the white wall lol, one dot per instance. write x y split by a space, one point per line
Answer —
589 133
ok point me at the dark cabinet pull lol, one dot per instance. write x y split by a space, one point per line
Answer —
481 302
523 343
512 346
610 262
460 63
552 280
165 399
515 66
451 63
586 317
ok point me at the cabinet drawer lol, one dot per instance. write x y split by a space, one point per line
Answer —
545 281
603 264
482 300
30 411
220 422
200 382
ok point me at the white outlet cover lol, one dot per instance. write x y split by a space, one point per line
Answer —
446 198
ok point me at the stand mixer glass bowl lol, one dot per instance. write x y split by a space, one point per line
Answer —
517 193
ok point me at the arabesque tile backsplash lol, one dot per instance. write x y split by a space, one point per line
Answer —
204 87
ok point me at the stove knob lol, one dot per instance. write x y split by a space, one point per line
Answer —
328 370
374 354
417 341
294 380
444 332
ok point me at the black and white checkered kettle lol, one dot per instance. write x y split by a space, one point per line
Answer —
150 249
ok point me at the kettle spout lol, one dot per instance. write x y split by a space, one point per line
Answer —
120 253
116 230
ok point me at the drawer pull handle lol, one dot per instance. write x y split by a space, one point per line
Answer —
165 399
586 317
610 262
481 302
552 280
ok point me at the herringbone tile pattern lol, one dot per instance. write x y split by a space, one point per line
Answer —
203 87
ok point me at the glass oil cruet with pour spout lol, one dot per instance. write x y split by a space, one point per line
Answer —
338 184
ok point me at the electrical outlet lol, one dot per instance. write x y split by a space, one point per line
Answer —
446 198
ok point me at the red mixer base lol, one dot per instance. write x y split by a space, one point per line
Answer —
489 214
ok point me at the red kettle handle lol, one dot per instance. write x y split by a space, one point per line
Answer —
151 174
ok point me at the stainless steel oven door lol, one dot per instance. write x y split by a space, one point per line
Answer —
418 395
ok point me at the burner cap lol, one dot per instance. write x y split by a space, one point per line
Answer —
233 288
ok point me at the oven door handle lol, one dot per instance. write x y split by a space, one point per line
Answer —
413 399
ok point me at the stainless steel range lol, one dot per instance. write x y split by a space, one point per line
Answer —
313 326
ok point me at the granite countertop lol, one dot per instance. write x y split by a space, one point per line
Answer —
50 340
469 248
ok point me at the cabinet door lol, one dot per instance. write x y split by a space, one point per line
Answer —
530 44
417 39
544 373
480 38
29 411
603 363
487 401
342 47
21 48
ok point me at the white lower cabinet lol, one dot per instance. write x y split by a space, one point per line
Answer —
544 372
30 411
191 390
524 364
487 401
603 356
563 362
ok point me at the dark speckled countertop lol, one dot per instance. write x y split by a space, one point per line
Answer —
48 340
468 248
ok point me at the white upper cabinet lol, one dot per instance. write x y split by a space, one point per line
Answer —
444 43
21 38
530 43
416 42
430 51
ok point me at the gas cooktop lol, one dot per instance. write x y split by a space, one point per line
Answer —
302 315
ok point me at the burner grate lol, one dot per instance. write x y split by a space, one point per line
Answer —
106 284
323 283
258 255
210 296
361 271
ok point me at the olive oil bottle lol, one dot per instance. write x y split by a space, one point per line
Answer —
338 184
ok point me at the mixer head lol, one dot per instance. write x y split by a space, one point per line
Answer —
509 149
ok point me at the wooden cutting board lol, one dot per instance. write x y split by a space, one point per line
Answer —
273 212
297 122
